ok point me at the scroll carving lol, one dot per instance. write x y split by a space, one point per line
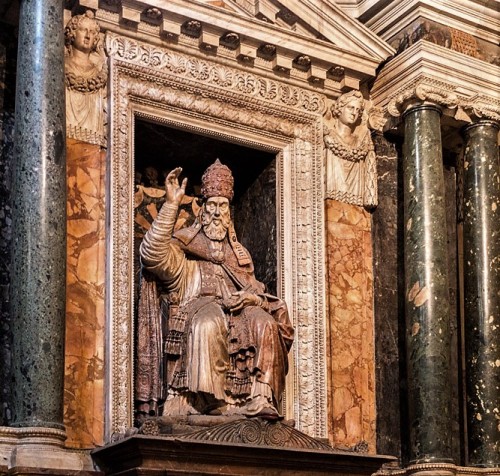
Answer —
483 111
442 94
422 92
86 75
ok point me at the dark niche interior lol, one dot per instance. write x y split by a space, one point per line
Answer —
159 149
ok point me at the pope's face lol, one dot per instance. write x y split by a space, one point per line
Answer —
350 112
85 35
216 218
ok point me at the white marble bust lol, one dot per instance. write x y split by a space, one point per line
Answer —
86 76
350 159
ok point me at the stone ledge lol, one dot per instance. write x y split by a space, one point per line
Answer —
148 455
438 469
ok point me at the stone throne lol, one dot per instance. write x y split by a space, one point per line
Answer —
154 360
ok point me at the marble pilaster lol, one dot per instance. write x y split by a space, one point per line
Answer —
351 350
38 215
481 230
84 353
426 288
387 286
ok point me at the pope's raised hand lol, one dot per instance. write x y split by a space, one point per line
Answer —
174 191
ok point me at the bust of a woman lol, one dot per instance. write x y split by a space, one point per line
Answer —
86 75
350 159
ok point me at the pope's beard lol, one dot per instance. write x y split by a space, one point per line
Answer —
215 227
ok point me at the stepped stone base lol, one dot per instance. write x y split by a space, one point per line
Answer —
41 451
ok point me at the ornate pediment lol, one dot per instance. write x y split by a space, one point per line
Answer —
309 41
321 20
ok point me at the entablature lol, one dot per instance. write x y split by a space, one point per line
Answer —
466 88
249 42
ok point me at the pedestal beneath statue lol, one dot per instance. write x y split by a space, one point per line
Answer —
155 455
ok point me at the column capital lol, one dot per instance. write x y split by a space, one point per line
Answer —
422 95
465 88
482 122
480 113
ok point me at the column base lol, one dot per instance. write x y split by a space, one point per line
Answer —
437 469
35 450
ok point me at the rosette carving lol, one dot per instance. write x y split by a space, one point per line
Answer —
213 75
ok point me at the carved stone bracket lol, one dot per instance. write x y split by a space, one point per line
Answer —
209 98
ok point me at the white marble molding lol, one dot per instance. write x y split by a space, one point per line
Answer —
200 95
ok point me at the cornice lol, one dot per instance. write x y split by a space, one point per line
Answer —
465 87
469 17
326 66
339 27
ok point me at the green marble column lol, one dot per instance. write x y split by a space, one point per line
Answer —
482 292
39 217
426 288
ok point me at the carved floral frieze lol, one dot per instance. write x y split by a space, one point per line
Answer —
214 75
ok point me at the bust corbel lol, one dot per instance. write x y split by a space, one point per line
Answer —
86 75
351 174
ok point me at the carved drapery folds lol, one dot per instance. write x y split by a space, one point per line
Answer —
86 75
351 173
205 97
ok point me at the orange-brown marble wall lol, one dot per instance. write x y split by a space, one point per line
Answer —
351 358
84 361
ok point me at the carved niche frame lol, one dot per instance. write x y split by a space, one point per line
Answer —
200 95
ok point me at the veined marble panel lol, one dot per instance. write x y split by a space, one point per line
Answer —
84 362
351 372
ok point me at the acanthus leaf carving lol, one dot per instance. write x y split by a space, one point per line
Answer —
482 111
437 95
213 75
421 92
467 108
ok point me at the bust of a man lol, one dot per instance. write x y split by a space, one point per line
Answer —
226 341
